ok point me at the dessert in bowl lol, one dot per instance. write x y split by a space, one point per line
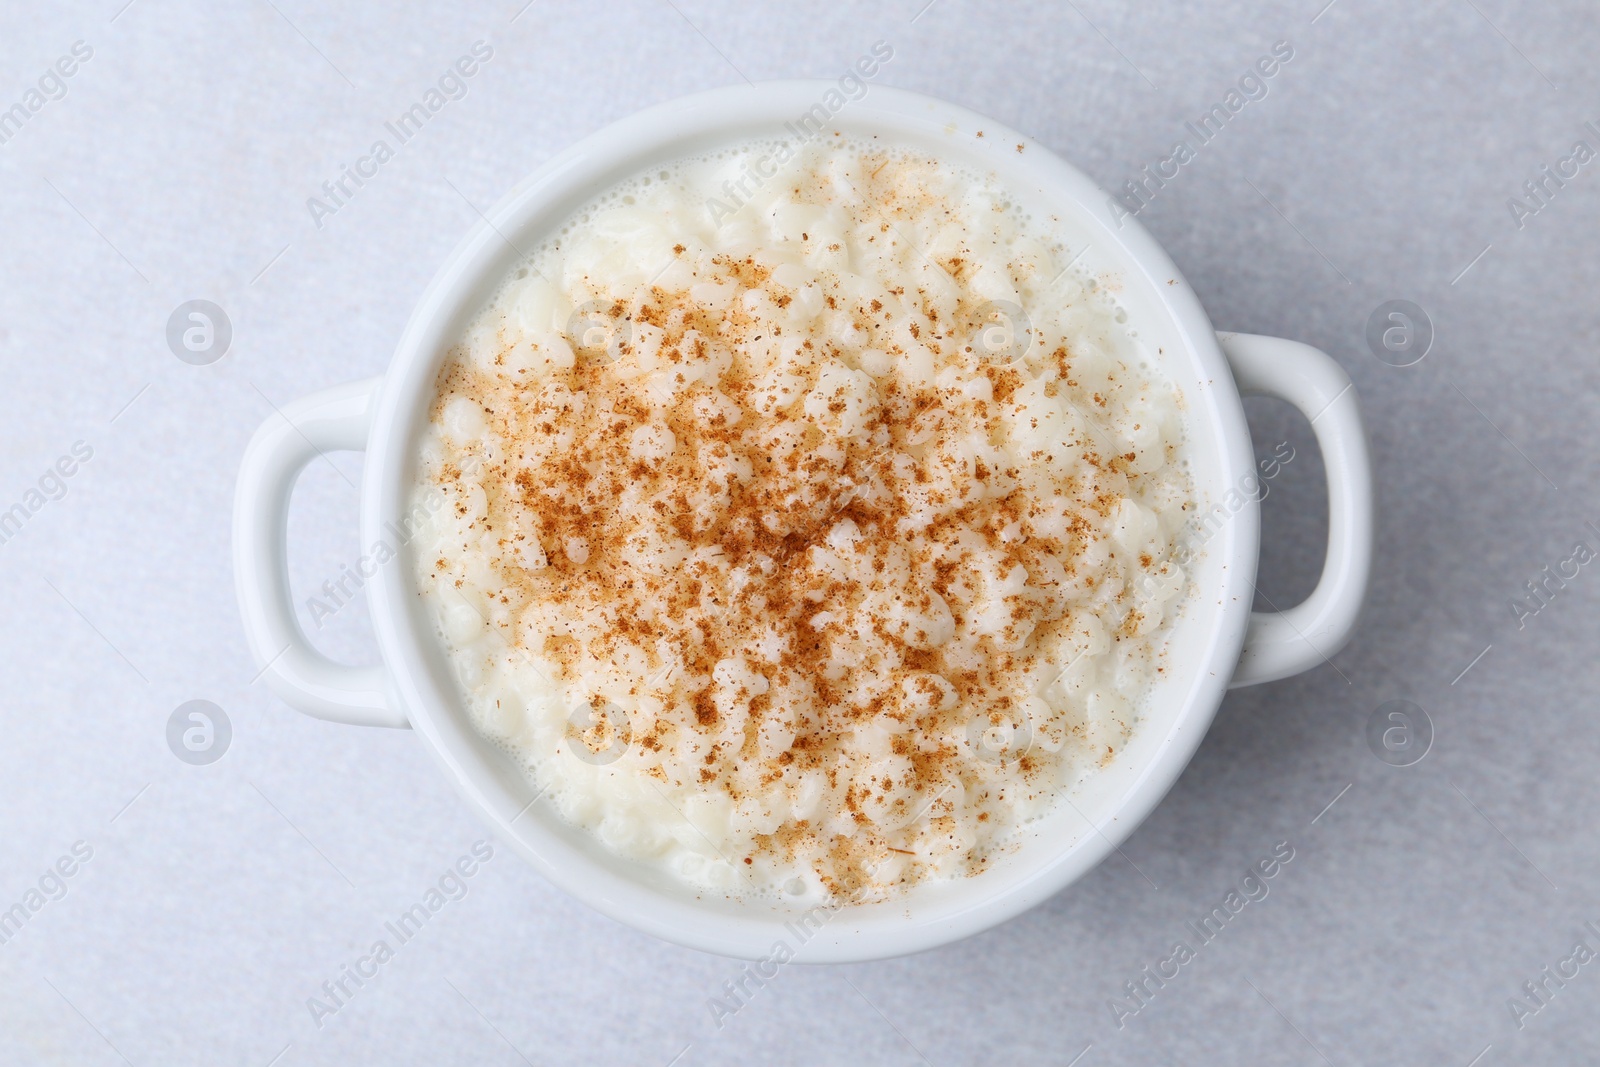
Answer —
814 546
777 525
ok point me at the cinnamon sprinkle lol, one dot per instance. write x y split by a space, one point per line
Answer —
821 582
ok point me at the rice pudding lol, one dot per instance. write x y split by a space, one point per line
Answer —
805 534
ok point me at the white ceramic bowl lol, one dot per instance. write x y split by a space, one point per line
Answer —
1217 641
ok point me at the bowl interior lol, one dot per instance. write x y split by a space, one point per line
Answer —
1093 818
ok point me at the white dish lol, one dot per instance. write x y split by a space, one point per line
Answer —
1219 642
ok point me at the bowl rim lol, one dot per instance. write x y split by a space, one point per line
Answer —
412 657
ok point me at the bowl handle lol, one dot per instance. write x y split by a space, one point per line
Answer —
1281 643
334 419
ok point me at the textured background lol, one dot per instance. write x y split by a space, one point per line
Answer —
219 898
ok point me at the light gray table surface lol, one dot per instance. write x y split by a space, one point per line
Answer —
217 899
